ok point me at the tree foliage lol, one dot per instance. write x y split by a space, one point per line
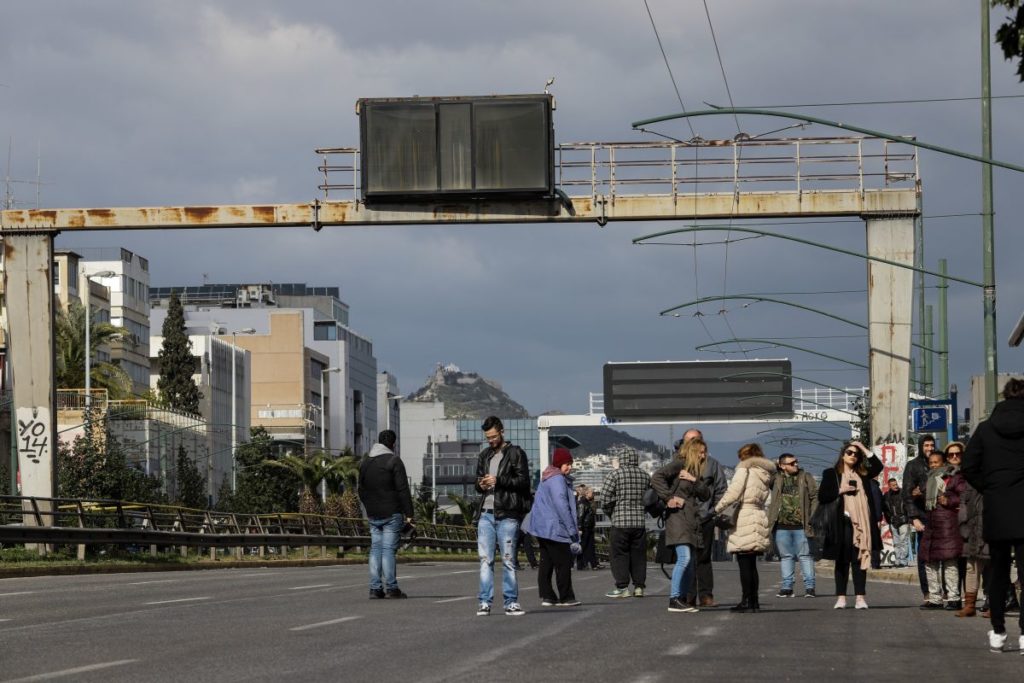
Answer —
191 484
262 488
177 389
98 468
1010 34
69 339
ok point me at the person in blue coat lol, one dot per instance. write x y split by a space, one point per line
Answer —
552 522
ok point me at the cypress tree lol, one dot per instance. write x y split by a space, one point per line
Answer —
177 390
191 483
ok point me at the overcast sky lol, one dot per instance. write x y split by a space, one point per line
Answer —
139 104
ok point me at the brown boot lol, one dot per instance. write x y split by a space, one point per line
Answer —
968 608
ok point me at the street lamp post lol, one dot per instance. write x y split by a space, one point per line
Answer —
88 340
234 406
323 424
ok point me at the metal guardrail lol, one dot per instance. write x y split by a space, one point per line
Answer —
97 521
609 169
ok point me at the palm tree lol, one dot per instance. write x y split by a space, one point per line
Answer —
342 476
310 470
467 507
69 334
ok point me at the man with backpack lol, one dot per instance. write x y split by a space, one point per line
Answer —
622 501
384 492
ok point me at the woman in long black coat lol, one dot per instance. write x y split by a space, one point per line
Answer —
849 483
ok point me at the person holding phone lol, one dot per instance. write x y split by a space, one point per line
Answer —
858 540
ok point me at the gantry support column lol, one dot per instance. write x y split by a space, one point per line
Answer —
28 287
890 311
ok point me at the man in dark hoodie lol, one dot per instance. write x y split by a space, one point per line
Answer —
993 464
384 492
915 478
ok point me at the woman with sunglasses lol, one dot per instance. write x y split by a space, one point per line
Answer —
975 553
856 541
941 543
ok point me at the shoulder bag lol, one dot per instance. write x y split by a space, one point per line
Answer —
726 519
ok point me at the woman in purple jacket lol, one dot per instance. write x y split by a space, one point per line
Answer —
552 522
941 543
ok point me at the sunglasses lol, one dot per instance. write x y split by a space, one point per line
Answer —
954 453
851 451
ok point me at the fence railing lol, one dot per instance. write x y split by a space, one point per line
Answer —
97 521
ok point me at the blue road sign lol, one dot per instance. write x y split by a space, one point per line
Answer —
932 419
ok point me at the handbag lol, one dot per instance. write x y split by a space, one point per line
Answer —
824 523
653 504
727 518
664 554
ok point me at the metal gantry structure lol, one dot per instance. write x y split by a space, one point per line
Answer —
870 178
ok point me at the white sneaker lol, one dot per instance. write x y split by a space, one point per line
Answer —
861 603
996 641
1020 644
514 610
840 602
483 610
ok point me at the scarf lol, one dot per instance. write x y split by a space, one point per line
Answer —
936 485
856 506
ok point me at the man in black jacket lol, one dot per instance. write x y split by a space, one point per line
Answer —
384 492
894 508
994 465
503 479
915 480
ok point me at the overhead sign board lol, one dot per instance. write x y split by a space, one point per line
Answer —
705 389
428 147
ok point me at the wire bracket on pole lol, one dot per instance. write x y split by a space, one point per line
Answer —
316 216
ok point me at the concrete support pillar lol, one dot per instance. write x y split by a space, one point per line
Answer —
890 311
28 287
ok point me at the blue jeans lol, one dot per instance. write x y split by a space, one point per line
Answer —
384 535
489 530
682 573
792 544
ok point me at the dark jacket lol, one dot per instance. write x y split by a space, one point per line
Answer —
894 508
969 517
915 474
586 516
717 483
807 490
829 491
941 538
682 525
512 489
994 464
383 484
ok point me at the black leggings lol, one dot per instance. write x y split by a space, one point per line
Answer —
846 560
1002 553
555 558
749 580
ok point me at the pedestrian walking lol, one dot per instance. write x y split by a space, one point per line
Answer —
384 492
994 465
749 487
855 542
553 522
678 484
622 501
701 591
895 511
503 479
941 543
793 502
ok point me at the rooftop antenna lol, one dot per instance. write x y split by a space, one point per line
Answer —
9 202
547 86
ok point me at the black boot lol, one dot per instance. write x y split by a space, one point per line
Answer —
755 604
743 607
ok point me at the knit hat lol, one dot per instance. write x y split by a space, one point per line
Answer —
562 456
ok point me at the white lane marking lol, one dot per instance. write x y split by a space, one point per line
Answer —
4 619
647 678
260 574
167 602
707 631
323 623
683 650
464 597
303 588
72 672
466 571
7 595
144 583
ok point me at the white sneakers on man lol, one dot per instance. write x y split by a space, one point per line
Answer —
996 641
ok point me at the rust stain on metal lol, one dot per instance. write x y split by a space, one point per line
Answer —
48 216
263 214
200 214
101 216
76 220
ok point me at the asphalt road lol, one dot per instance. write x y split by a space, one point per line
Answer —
316 624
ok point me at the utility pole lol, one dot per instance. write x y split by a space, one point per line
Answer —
987 223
